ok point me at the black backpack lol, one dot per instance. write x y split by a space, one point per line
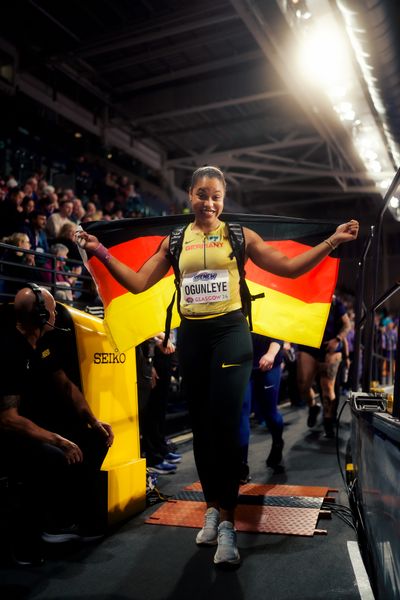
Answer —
237 241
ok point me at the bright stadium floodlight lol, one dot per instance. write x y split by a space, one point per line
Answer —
325 55
322 56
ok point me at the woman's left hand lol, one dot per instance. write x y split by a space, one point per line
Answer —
347 232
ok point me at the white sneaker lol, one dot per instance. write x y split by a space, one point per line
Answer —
208 536
227 552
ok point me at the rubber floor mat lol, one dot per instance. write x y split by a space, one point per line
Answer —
257 516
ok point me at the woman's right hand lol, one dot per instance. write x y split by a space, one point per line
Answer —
346 232
86 241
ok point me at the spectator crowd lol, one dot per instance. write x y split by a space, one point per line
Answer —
36 215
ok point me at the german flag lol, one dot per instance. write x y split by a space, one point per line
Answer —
294 310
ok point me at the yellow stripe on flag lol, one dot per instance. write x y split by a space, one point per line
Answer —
274 316
130 319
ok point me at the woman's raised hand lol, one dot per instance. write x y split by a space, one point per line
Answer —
347 232
86 241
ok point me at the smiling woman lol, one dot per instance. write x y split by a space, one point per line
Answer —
214 342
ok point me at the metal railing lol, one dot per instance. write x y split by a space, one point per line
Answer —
82 296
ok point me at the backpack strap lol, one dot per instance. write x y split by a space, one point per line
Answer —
174 252
238 243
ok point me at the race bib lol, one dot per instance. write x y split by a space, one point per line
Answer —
204 287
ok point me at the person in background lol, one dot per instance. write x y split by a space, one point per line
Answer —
349 358
67 238
93 213
262 398
57 219
48 203
64 277
35 230
27 205
146 380
31 188
266 380
159 456
11 214
215 347
289 390
17 265
78 211
389 346
323 361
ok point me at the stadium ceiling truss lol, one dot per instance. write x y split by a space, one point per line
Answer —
181 84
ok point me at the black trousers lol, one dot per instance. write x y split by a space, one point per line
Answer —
52 493
154 415
216 361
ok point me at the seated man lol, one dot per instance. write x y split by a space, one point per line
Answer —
56 459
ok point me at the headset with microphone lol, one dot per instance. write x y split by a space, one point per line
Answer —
39 312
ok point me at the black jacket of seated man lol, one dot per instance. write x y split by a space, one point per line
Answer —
57 459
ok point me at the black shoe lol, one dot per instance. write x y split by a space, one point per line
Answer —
329 427
61 535
73 533
244 474
313 413
275 456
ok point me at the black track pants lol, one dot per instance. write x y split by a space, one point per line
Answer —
216 360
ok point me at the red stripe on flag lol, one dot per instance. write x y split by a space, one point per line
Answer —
133 253
315 286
